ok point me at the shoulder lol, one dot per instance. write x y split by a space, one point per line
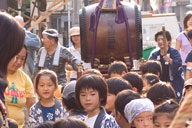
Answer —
109 122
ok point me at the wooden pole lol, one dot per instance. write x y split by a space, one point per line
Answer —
164 40
48 12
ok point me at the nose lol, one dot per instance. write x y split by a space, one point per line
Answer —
87 97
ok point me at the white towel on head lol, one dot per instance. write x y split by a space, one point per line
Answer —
55 59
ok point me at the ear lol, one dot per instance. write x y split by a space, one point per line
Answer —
123 73
135 89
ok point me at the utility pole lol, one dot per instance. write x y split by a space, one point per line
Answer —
76 8
3 4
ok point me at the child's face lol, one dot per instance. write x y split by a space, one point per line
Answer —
110 102
146 86
90 101
162 121
46 87
144 120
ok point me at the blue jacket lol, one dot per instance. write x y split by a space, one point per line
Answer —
175 70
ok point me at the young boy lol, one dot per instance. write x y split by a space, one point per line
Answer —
91 95
115 85
123 98
117 69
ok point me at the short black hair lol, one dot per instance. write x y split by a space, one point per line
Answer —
115 85
69 122
46 124
167 34
151 78
70 102
117 67
160 92
152 66
135 80
123 98
94 82
169 106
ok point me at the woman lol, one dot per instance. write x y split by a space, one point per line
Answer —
183 44
19 92
11 42
171 62
76 51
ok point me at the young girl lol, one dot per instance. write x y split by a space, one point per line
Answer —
149 80
164 114
48 108
139 113
91 95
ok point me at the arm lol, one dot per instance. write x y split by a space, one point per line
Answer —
30 102
188 71
178 45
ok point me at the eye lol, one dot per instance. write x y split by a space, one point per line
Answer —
139 120
93 94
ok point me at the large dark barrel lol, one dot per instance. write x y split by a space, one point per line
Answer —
111 38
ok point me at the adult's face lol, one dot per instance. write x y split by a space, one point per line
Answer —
17 61
160 42
47 42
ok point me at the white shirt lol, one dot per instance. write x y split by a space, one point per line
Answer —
76 53
91 121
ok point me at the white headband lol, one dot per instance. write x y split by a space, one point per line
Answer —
49 34
136 107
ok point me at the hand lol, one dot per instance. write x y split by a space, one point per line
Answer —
167 59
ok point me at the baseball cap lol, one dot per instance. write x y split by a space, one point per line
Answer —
74 31
69 88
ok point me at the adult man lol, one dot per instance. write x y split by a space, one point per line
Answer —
33 43
53 56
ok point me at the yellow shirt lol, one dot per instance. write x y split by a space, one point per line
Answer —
19 88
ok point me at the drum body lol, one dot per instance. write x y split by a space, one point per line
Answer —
111 39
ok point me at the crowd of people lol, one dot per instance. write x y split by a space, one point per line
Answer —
41 96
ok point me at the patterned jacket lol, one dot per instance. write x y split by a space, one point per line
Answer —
36 115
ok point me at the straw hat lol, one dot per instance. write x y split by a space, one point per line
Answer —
74 31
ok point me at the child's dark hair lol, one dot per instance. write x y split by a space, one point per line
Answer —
46 72
93 71
69 122
115 85
151 78
152 66
117 67
135 80
94 82
123 98
12 123
170 107
160 92
167 34
46 124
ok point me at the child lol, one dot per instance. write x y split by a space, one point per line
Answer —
48 108
117 69
123 98
135 80
91 95
164 114
69 101
139 112
149 80
161 92
115 85
70 122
